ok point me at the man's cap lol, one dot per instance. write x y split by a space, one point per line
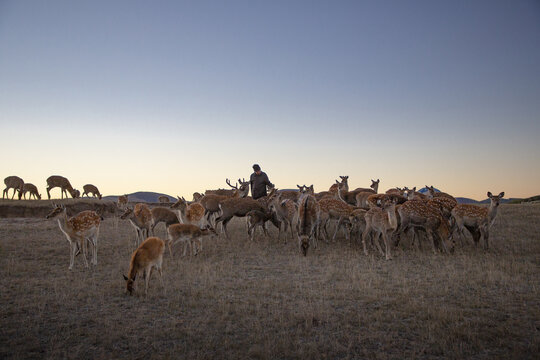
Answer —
256 167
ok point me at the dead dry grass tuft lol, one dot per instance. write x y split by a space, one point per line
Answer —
261 299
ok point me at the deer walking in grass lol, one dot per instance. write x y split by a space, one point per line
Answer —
381 222
15 183
189 234
308 221
91 189
477 219
64 185
147 256
141 219
32 189
80 228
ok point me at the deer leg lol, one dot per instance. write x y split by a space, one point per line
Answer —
377 240
148 272
337 228
365 236
385 238
74 247
84 250
484 231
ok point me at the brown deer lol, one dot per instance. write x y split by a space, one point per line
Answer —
91 189
256 218
80 228
381 222
432 193
163 215
397 190
344 183
32 189
238 207
374 187
285 210
308 221
15 183
357 218
188 234
163 199
189 213
197 196
375 200
477 219
147 256
141 219
244 189
334 209
412 194
350 196
122 202
64 185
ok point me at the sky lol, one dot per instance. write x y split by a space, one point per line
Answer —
176 96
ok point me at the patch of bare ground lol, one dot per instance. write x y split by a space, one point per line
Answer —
262 299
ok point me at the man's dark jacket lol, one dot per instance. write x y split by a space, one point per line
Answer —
258 185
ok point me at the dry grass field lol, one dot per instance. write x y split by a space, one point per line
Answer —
262 299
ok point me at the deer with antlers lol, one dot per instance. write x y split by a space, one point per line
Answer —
211 201
80 228
91 189
15 183
189 234
64 185
147 256
141 218
477 219
32 189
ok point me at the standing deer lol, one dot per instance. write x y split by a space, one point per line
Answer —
334 209
285 210
381 222
344 184
80 228
163 199
141 219
122 202
32 189
211 200
432 193
374 187
63 183
244 189
91 189
236 207
308 221
15 183
163 215
189 234
257 218
477 219
189 213
148 256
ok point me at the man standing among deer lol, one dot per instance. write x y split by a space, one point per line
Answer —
259 181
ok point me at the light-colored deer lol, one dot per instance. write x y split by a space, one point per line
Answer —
381 222
334 209
64 185
80 228
163 199
344 184
141 219
91 189
15 183
308 221
147 256
32 189
432 193
189 213
477 219
286 210
122 202
189 234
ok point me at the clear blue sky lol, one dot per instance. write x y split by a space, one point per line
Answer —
176 96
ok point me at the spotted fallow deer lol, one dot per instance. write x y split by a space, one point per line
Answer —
189 213
91 189
381 222
163 215
147 256
189 234
344 184
64 185
308 221
477 219
412 194
432 193
285 210
32 189
80 228
334 209
15 183
350 196
141 219
374 187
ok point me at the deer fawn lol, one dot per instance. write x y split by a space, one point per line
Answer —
15 183
32 189
81 227
64 185
141 219
91 189
147 256
381 222
308 221
189 234
477 219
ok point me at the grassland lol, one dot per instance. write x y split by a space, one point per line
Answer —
261 299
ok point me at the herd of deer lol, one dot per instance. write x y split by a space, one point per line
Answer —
363 211
54 181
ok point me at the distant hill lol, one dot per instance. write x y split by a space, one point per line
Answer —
141 196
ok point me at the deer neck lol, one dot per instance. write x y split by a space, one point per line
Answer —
64 224
392 219
492 212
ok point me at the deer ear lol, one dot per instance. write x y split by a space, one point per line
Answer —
501 194
378 180
125 277
298 186
178 197
337 182
489 194
413 189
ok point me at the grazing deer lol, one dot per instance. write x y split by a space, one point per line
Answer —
147 256
141 219
381 222
122 202
80 228
334 209
188 234
163 215
427 216
189 213
308 221
163 199
285 211
91 189
477 219
374 187
15 183
32 189
64 185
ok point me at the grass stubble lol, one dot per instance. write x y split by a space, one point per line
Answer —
262 299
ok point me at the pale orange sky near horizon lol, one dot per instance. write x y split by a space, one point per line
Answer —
176 97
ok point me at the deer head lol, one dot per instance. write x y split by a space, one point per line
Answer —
129 284
375 184
126 214
495 200
57 210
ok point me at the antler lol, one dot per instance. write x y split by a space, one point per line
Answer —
229 183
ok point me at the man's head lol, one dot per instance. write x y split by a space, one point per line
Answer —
257 169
